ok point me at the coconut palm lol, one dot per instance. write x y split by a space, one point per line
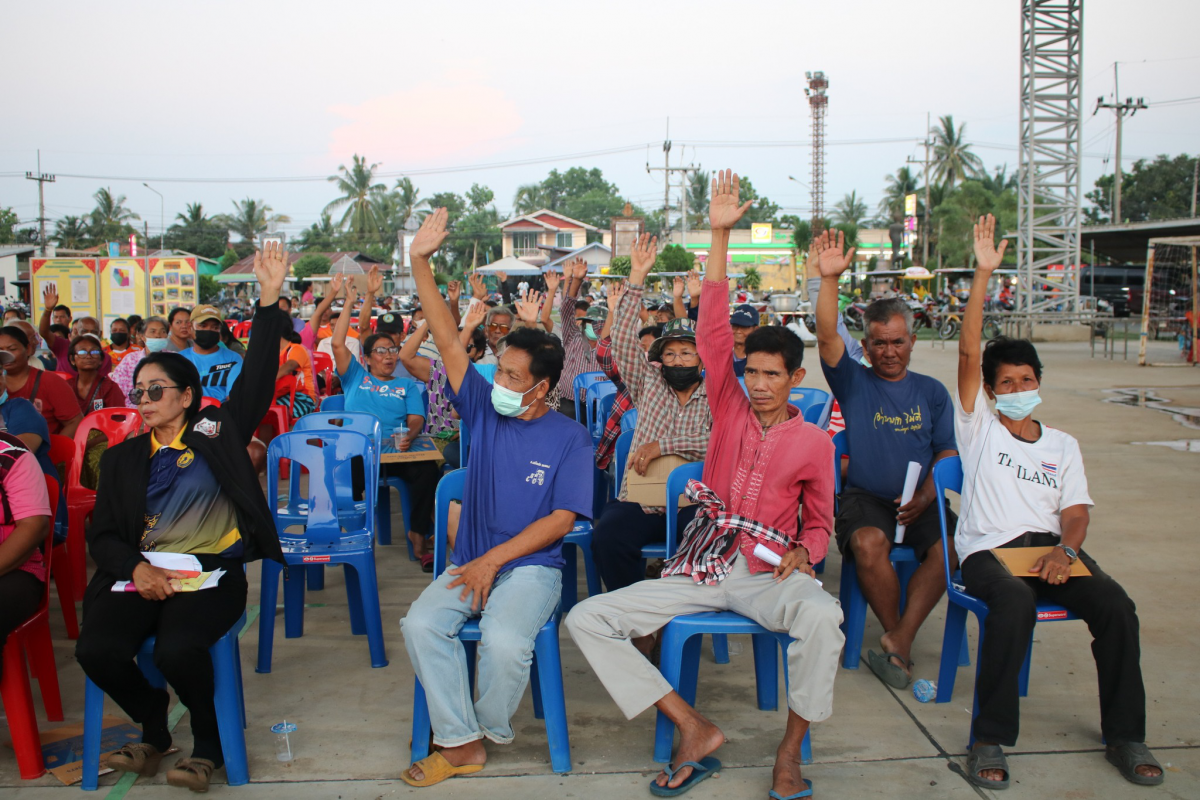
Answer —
529 198
321 236
953 160
358 188
251 218
999 182
698 199
903 182
110 219
71 233
193 216
850 210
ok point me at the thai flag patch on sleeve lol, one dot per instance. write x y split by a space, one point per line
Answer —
1051 469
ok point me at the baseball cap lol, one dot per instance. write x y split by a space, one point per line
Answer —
744 316
680 328
390 322
201 313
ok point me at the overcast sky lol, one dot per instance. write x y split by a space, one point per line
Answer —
122 92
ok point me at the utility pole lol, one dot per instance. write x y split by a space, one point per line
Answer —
925 223
1195 181
1128 106
666 170
162 217
42 179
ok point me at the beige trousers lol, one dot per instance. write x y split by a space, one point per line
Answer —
603 625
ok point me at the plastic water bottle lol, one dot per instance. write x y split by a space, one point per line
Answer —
924 690
399 434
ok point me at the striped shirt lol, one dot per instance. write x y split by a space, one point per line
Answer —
579 356
680 430
622 403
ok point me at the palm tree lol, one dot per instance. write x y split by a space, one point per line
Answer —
903 182
358 190
952 156
193 216
529 198
1000 182
321 236
110 218
71 233
850 210
251 218
698 198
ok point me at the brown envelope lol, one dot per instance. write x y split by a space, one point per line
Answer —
651 489
1018 560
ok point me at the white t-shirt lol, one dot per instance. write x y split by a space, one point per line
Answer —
1011 487
326 346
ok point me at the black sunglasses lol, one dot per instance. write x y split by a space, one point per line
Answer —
154 391
79 353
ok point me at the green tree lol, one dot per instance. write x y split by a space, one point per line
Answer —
228 259
528 199
1158 189
958 212
358 187
763 209
897 186
953 160
579 193
801 236
195 232
698 186
70 232
8 226
850 232
850 210
322 236
250 218
751 278
620 265
311 264
396 209
209 289
110 219
674 258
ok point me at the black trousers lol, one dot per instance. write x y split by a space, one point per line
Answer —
1098 600
116 624
20 593
619 535
422 478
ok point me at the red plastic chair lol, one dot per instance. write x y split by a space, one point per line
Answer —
232 325
116 424
243 330
323 365
276 421
62 455
31 642
205 402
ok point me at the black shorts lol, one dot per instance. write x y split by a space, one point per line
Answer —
861 509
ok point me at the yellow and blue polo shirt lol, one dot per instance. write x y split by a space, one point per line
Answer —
186 511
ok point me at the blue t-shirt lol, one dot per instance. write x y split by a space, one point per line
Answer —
21 417
390 401
520 471
218 370
890 423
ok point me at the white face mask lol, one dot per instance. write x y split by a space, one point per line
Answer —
507 402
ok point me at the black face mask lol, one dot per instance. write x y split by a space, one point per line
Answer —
207 340
119 338
680 378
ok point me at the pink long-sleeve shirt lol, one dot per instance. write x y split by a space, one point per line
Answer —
763 475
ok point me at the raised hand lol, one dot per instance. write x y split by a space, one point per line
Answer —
478 288
615 292
335 283
577 268
723 209
430 236
694 284
502 276
833 260
677 288
453 291
642 258
270 268
553 279
50 296
528 306
475 315
987 255
351 297
374 280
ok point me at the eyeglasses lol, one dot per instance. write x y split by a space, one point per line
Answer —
154 392
79 353
495 326
685 355
391 351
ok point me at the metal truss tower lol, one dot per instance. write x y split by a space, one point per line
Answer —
1048 214
818 102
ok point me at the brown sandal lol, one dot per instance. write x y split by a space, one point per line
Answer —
139 758
192 773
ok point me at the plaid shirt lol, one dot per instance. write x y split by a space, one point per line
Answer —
680 430
579 356
623 402
710 542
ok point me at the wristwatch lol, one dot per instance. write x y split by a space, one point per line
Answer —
1070 551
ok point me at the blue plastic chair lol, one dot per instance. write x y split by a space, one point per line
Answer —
335 402
575 544
600 398
681 638
580 386
228 697
815 404
948 477
322 540
545 675
629 420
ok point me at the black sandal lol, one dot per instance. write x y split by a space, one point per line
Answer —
1128 756
987 756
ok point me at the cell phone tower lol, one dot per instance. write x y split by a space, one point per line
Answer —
818 102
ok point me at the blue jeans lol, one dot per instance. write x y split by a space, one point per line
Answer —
520 603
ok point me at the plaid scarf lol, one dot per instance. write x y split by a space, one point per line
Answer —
709 543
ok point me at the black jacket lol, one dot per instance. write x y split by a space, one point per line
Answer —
220 434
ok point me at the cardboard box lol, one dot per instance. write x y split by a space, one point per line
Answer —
651 489
423 449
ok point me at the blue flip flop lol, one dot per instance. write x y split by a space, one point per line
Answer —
806 793
707 767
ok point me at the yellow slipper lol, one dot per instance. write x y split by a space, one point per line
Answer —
436 769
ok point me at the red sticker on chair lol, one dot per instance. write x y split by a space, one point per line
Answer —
1048 615
316 559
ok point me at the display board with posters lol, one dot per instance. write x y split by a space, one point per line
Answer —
174 283
122 288
73 278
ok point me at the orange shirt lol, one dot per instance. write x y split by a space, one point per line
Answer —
117 355
325 331
305 381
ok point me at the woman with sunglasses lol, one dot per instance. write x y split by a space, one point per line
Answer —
92 390
395 402
187 486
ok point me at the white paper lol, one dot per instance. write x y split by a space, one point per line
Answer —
182 562
767 554
79 290
122 303
910 488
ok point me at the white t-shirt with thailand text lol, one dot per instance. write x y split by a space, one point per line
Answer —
1010 486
